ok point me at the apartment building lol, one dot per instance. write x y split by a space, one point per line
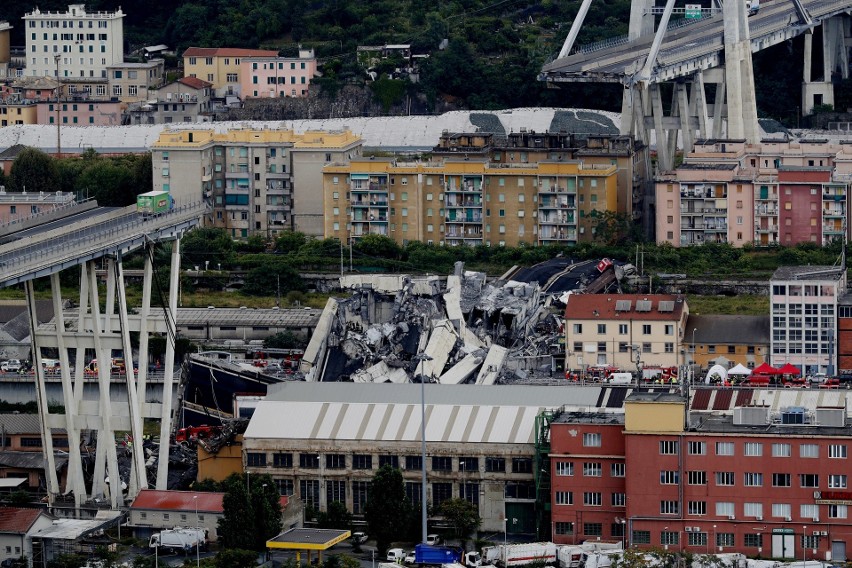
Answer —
273 77
804 305
184 100
79 111
220 66
726 340
775 192
628 331
259 181
74 43
131 82
463 201
760 481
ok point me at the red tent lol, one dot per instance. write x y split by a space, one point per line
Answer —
789 369
766 369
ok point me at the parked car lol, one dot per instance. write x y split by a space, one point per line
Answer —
396 555
359 537
433 539
409 558
10 366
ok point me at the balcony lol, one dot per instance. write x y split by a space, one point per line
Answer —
369 202
458 203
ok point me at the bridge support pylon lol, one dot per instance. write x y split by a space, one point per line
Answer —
818 88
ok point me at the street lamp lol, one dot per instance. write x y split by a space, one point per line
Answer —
58 105
623 523
197 534
714 538
692 365
804 544
505 529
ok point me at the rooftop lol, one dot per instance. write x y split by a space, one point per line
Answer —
17 520
640 307
194 82
654 396
729 329
228 52
208 502
590 418
808 273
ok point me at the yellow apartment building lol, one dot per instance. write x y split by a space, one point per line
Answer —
220 66
258 181
467 201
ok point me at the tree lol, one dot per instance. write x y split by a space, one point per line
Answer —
112 185
236 527
236 558
268 280
290 241
337 517
206 244
462 515
33 171
386 506
266 503
283 340
378 246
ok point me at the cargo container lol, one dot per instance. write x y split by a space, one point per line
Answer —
154 203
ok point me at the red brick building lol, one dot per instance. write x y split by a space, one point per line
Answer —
800 194
756 482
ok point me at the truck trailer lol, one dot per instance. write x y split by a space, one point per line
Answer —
508 555
154 203
179 539
444 555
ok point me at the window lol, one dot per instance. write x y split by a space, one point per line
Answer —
669 507
282 460
442 463
668 447
753 540
562 527
781 510
809 511
724 448
564 498
781 450
724 539
592 499
809 480
646 329
413 462
362 461
521 465
809 451
360 495
697 538
837 511
753 509
696 508
751 479
837 481
591 469
441 492
591 440
309 461
498 465
669 538
593 529
335 491
468 464
617 470
724 478
837 451
724 509
697 448
255 459
578 328
696 477
414 492
392 461
753 449
781 480
309 491
669 477
285 486
619 499
601 329
564 469
335 461
641 537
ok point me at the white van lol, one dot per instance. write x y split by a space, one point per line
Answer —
620 379
396 555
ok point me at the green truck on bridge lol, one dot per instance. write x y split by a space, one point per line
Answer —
154 203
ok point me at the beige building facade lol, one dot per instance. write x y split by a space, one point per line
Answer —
258 181
220 66
463 201
130 82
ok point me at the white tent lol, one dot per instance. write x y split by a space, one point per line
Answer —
740 369
717 373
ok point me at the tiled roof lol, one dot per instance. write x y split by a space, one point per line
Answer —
228 52
637 307
151 499
807 273
194 82
19 424
17 520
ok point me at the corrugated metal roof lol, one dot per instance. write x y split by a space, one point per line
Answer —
73 529
383 422
151 499
17 520
29 460
20 424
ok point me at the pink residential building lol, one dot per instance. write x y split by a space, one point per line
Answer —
273 77
82 112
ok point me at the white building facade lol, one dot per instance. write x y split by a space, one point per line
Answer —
804 317
85 43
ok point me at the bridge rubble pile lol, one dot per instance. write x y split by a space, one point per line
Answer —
396 328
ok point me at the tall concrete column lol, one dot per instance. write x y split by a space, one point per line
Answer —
739 76
168 369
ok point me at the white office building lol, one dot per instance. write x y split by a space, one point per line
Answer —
74 44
